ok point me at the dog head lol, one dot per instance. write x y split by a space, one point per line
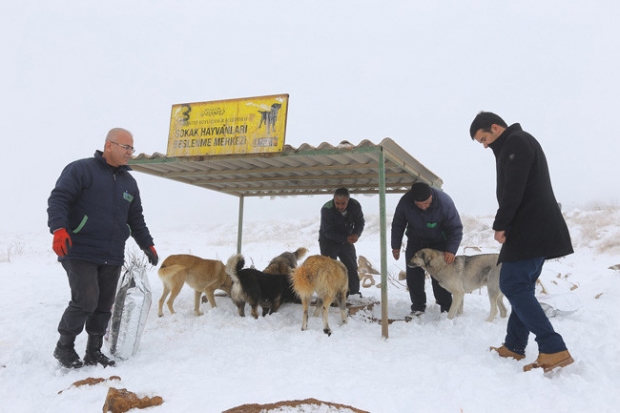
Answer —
422 258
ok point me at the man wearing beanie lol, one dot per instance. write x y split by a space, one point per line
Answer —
430 220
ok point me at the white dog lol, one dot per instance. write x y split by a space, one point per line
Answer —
464 275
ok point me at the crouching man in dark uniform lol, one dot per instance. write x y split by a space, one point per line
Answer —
342 223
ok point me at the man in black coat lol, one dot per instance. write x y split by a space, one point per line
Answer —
342 223
531 229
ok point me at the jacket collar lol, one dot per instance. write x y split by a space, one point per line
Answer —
99 157
496 146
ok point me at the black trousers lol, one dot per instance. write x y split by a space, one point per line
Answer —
415 282
348 256
93 290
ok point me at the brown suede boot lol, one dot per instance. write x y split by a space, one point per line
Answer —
551 361
504 352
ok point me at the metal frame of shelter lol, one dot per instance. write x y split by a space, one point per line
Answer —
367 168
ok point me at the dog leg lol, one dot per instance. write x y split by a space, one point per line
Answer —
160 310
326 304
502 308
240 308
275 306
317 307
197 295
211 297
304 317
457 301
254 309
342 304
173 295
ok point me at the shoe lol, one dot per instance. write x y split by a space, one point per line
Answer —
505 352
551 361
97 357
65 352
413 315
94 355
68 357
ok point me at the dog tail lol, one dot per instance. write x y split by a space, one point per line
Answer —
234 265
302 280
164 272
300 253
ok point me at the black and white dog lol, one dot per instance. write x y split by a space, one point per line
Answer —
255 287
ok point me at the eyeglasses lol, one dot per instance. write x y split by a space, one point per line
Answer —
126 147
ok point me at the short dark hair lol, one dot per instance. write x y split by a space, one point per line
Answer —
342 192
483 121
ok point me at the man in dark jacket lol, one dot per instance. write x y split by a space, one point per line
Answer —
531 229
342 223
430 220
93 209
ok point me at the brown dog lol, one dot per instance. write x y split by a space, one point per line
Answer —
203 275
329 279
285 262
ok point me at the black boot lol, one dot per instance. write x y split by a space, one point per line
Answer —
65 352
94 354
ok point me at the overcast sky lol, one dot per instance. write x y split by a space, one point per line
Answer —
414 71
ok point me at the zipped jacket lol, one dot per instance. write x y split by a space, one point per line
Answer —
440 223
336 227
100 207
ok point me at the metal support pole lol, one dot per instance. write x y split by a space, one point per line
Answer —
240 225
383 249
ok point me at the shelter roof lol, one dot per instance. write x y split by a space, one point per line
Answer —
306 170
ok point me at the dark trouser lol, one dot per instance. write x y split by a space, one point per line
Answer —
93 289
415 282
346 253
517 281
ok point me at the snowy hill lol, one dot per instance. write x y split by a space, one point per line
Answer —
219 360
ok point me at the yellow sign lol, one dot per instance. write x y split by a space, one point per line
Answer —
235 126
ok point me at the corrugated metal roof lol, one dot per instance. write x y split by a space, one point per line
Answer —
306 170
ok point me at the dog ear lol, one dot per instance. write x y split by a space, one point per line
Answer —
427 258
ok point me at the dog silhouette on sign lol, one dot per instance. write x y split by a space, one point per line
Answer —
269 118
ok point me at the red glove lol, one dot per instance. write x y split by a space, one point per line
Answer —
62 242
151 254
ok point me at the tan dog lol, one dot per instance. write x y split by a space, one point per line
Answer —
329 279
203 275
464 275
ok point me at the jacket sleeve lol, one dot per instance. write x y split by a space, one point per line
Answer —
358 220
68 188
399 223
516 159
453 227
136 222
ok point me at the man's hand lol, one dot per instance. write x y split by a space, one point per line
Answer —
62 242
448 257
500 236
151 254
352 239
396 254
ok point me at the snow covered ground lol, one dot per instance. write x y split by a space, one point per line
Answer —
220 360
